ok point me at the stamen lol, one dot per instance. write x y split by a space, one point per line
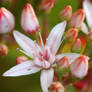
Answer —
62 39
23 52
42 44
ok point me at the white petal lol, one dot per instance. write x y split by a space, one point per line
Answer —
24 68
84 28
46 79
71 56
26 43
88 9
54 38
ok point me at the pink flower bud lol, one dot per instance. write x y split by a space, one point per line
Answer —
79 67
47 4
56 87
66 13
80 85
63 62
7 21
55 78
29 20
77 46
71 34
77 18
3 50
21 59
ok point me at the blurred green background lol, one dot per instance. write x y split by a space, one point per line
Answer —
29 83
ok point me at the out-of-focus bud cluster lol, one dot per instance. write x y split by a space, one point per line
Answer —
7 21
3 50
56 87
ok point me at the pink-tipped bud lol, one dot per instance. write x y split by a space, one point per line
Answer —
63 62
79 67
7 21
76 47
21 59
77 18
56 87
3 50
29 20
47 4
66 13
71 34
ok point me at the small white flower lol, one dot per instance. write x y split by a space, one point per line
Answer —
44 57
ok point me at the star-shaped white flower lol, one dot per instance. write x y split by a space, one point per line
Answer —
44 57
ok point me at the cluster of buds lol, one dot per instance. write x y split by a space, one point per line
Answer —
74 20
30 24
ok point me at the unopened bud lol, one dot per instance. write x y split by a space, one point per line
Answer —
55 78
47 4
77 19
77 46
7 21
66 13
63 62
56 87
71 34
29 20
79 67
79 85
21 59
3 50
